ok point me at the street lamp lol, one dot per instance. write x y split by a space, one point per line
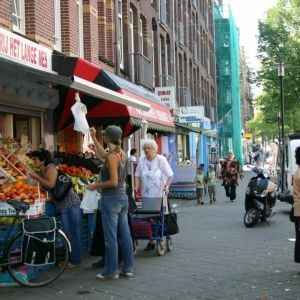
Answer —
281 136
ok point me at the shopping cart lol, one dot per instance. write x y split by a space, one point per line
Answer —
148 222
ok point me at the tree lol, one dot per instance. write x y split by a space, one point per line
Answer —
279 41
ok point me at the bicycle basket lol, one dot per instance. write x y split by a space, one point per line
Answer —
38 245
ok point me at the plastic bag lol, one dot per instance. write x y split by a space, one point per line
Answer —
90 201
79 112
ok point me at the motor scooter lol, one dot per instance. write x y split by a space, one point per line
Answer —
260 198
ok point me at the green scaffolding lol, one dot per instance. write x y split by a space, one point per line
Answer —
228 82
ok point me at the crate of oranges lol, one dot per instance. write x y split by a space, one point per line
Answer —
20 190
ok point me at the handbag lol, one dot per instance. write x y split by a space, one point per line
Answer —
62 186
171 223
292 216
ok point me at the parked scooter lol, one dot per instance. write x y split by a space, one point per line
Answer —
260 198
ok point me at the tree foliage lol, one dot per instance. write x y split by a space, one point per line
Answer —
279 41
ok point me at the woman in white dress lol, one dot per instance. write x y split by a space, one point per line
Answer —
153 176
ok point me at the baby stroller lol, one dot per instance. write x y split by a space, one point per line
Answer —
149 222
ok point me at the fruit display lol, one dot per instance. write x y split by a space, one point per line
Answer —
75 171
80 177
20 190
13 164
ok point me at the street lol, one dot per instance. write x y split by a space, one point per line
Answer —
214 257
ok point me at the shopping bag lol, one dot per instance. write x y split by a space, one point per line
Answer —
79 112
90 201
171 223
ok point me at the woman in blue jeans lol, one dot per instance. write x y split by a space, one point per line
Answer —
68 208
114 204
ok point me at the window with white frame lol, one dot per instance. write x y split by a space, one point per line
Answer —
141 37
80 50
131 35
120 24
18 16
57 25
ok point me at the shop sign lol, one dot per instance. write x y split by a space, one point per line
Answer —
206 123
21 50
190 114
247 135
166 95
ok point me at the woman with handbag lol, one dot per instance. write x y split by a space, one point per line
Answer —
296 206
114 204
68 207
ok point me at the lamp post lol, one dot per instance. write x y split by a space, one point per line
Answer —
281 136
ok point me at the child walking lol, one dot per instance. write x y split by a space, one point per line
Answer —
211 183
200 185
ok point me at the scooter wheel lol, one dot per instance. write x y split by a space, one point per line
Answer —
251 217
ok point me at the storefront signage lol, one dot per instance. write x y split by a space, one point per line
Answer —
247 135
166 95
21 50
191 114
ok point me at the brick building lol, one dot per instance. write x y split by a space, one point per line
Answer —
155 43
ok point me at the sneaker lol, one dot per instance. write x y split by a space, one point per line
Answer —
149 247
233 200
127 274
98 264
109 277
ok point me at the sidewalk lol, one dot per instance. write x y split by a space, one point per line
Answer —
214 257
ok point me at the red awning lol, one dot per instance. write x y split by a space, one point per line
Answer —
107 112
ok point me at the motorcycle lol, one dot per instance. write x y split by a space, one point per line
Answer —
260 198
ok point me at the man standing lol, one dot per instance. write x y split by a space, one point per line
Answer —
229 172
130 159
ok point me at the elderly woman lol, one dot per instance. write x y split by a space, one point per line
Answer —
154 176
296 205
114 204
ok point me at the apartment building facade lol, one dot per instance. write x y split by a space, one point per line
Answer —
131 47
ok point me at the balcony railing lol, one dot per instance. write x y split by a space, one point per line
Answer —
167 80
181 33
185 97
142 70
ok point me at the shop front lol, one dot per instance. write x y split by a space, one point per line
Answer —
102 111
26 98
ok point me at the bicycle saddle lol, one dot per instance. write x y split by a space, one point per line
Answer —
18 205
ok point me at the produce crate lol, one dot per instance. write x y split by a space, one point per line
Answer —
35 210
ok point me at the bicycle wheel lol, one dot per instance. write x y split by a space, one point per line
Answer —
37 275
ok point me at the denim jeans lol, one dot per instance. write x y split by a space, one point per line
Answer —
116 230
71 219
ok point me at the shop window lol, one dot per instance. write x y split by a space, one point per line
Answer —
57 25
27 129
18 16
80 28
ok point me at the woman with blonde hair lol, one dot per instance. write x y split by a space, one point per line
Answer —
153 176
114 204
